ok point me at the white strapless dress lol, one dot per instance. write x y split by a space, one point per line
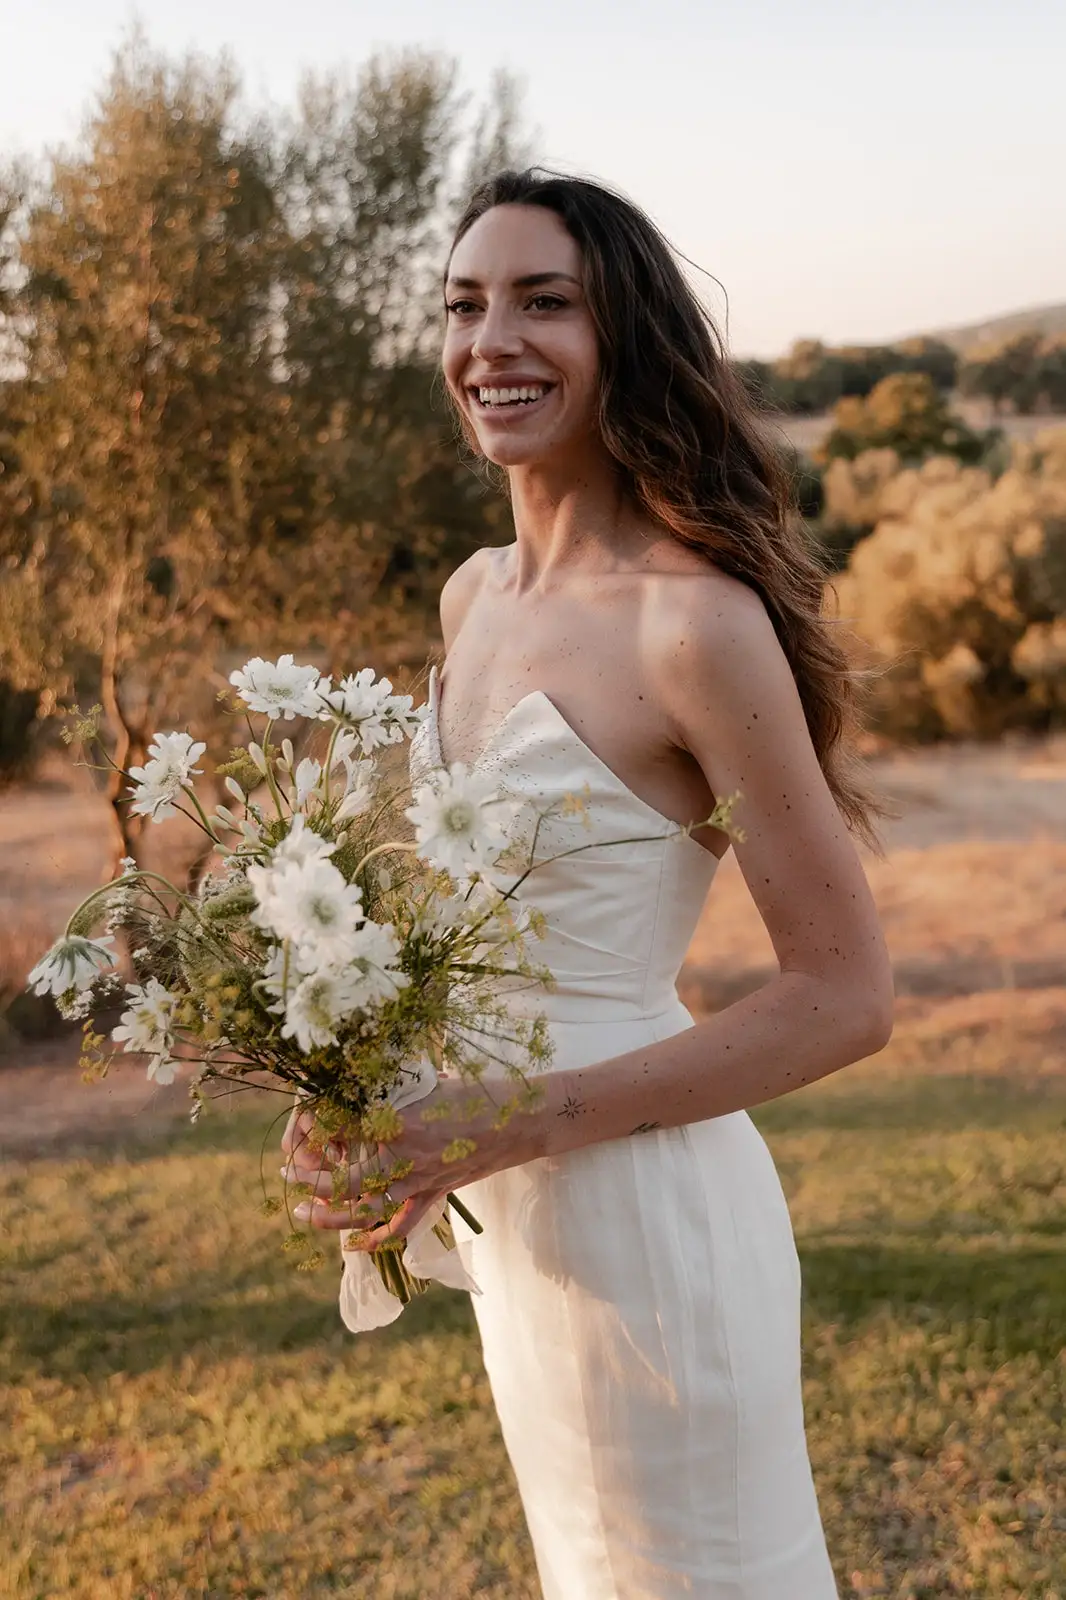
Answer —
640 1304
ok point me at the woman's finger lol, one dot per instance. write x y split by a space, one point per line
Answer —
308 1161
304 1168
297 1130
357 1211
399 1226
327 1182
304 1149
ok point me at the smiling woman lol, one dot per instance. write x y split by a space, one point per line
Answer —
654 640
520 352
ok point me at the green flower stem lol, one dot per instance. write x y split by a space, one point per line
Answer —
127 878
721 811
394 1271
211 834
272 782
395 1275
329 762
470 1220
380 849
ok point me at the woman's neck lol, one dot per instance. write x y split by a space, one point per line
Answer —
567 517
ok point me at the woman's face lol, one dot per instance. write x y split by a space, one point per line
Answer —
520 350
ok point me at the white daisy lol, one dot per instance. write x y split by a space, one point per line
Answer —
278 688
404 716
315 1008
311 904
461 820
163 1068
370 963
71 963
371 710
301 844
356 697
283 970
168 771
147 1027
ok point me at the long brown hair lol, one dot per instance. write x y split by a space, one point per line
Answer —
691 451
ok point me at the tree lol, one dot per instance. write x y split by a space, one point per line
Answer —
219 439
1008 374
147 305
810 378
905 413
862 367
384 506
1051 379
931 356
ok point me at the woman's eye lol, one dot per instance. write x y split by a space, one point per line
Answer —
546 302
459 308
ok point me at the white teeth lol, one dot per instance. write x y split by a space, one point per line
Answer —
509 397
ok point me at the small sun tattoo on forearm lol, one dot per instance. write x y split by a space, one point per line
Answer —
645 1127
571 1107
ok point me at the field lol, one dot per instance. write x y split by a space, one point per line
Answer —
181 1413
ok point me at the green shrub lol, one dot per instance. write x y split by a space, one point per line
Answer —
905 413
960 593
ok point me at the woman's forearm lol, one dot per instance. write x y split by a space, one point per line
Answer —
792 1031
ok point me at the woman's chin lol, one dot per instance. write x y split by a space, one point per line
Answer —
518 452
512 453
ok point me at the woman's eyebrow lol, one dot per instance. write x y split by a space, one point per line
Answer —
530 280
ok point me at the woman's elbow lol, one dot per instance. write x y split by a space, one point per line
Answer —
875 1013
862 1011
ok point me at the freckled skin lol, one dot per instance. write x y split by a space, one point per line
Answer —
671 672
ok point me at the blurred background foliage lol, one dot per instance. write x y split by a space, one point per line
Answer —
222 430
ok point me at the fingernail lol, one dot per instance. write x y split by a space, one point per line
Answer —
302 1212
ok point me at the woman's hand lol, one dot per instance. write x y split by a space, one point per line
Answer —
335 1175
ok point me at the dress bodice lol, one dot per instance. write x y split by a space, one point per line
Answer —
620 916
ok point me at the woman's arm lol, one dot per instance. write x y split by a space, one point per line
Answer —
726 686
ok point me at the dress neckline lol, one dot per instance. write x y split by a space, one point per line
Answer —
538 697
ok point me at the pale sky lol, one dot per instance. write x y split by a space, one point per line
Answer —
852 170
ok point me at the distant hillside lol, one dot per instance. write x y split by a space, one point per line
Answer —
1040 319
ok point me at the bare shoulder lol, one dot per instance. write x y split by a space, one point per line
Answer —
461 588
728 696
704 634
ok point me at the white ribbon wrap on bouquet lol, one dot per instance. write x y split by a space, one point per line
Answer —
365 1302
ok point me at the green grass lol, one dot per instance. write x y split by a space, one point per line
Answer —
183 1415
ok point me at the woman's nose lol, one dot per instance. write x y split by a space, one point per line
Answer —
498 336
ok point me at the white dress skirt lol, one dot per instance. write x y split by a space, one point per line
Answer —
639 1310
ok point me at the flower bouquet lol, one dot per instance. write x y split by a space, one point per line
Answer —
349 945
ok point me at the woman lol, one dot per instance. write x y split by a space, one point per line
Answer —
654 632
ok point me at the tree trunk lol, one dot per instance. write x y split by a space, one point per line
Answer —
130 741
